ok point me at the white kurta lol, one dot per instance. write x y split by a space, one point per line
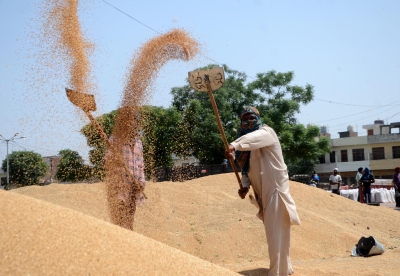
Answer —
269 178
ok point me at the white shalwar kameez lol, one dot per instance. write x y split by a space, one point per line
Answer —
269 178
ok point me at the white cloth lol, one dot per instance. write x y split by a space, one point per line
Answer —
335 178
270 181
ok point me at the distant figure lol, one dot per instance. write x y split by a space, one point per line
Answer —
360 190
396 183
335 181
315 177
225 165
366 181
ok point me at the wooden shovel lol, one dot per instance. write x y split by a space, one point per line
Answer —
207 81
87 103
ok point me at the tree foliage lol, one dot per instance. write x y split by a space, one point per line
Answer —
96 142
189 127
71 167
162 133
272 94
26 167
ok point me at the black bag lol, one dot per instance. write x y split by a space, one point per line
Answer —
368 247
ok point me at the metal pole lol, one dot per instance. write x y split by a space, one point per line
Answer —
8 170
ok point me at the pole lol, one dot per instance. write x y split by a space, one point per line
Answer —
8 170
221 129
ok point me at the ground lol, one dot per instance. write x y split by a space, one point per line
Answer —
205 218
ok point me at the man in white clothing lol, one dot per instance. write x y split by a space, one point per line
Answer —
334 181
259 154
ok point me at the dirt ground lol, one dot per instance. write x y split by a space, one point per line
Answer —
202 218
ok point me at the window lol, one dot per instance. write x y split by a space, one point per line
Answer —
378 153
343 156
332 157
358 155
396 152
322 159
370 132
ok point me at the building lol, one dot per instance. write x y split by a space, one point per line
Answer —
52 162
180 161
379 151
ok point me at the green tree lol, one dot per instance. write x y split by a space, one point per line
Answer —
26 167
272 94
99 146
230 98
300 147
71 167
163 133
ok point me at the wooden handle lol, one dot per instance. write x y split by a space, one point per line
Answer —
221 130
104 136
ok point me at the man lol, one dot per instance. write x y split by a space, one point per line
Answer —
360 190
335 181
123 194
366 180
259 154
396 183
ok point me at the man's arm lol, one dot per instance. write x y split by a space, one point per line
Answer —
230 154
263 137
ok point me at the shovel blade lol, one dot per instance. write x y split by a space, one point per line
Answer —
84 101
216 77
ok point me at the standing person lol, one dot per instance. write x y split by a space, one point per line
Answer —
259 154
366 180
335 181
360 190
225 165
315 177
396 183
123 194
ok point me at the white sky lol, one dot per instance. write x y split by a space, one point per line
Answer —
349 50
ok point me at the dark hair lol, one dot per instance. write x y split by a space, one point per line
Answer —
360 169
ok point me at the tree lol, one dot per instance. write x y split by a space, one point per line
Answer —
163 132
71 167
230 98
26 167
300 147
99 146
277 101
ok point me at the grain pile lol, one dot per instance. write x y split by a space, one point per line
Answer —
40 238
205 218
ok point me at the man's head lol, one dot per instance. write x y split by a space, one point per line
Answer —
249 120
335 171
397 169
360 169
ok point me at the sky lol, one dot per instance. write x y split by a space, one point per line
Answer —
348 50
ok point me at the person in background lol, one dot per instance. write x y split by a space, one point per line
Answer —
259 154
315 177
360 190
396 183
366 180
335 181
225 165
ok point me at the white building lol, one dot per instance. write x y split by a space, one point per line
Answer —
379 151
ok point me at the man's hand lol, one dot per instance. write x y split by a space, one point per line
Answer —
230 154
243 192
